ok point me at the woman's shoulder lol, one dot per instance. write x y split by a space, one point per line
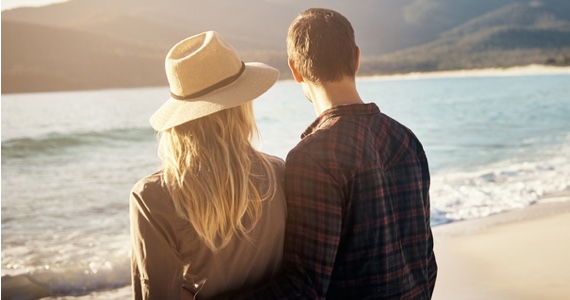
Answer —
277 163
150 195
151 184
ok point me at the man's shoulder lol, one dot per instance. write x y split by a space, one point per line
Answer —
402 133
331 145
356 139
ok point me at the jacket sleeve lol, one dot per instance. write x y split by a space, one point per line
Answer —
314 219
157 270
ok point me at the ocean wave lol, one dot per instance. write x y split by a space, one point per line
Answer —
62 143
501 187
73 281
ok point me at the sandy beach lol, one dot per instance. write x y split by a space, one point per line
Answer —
517 255
487 72
521 254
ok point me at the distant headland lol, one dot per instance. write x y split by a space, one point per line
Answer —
96 44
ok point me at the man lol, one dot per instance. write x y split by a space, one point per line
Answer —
356 185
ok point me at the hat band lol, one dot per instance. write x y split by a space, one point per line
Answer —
211 88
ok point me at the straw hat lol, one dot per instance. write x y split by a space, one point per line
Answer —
206 75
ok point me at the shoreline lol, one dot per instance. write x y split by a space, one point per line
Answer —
528 70
483 258
519 254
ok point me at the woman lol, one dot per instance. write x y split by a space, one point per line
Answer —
212 219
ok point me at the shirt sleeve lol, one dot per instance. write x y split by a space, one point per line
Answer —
432 264
314 228
314 219
156 267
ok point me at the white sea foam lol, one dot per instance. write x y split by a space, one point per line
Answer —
68 235
499 187
69 279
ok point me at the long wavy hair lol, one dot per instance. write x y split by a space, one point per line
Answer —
215 177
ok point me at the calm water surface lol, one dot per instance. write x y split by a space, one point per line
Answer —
69 161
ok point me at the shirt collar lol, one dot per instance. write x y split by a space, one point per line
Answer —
341 110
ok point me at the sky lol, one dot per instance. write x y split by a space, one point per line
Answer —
9 4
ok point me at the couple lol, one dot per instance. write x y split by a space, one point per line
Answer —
347 216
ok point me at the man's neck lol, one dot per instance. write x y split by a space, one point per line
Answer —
331 94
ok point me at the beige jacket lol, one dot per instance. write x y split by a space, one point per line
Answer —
167 254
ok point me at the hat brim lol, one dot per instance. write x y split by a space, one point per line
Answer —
255 80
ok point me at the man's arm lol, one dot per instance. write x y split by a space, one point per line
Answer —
431 264
314 219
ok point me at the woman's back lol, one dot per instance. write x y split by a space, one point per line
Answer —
171 255
213 219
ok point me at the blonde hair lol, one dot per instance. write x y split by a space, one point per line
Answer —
208 169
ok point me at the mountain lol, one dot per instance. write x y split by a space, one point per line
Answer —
89 44
42 58
516 34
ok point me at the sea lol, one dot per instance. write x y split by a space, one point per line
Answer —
69 159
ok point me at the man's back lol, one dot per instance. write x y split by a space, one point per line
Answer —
357 185
366 178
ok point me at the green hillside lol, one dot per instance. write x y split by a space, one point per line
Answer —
514 35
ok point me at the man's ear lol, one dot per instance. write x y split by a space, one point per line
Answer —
357 59
295 72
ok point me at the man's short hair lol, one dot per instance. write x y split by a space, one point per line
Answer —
322 46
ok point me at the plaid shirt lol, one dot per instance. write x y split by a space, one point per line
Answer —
358 212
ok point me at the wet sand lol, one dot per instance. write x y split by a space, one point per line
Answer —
516 255
521 254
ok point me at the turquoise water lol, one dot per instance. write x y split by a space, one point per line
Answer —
69 160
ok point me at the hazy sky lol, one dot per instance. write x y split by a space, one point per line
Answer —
8 4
